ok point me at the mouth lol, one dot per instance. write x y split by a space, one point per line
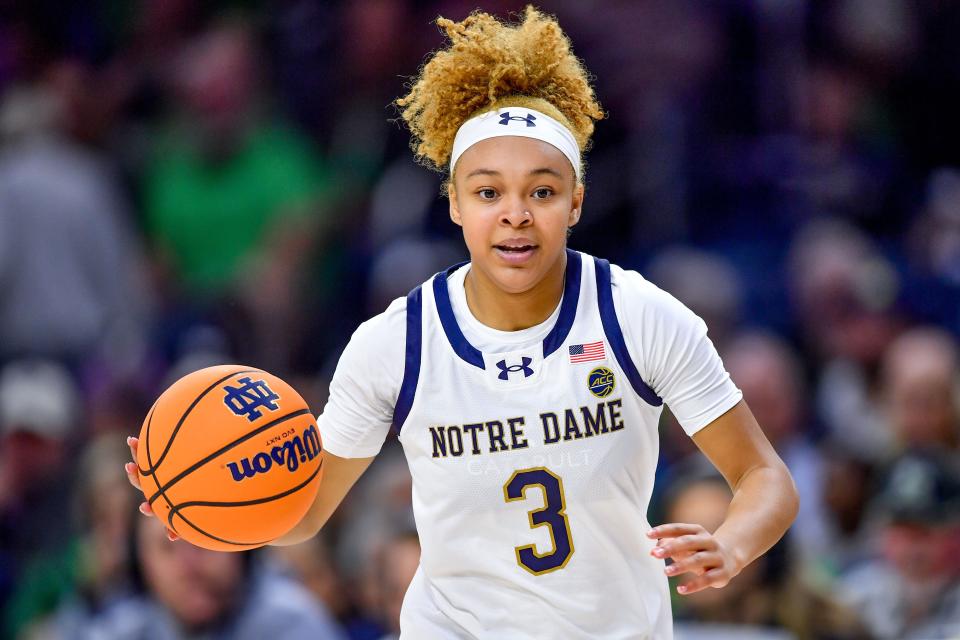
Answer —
515 252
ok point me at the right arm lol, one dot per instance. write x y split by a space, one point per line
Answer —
339 474
355 421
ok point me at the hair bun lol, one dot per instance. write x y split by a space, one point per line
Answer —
490 64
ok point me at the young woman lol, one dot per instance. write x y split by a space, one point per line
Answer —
526 385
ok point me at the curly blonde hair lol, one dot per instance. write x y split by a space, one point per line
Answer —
489 65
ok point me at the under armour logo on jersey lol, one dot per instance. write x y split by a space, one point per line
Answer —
246 400
505 118
505 371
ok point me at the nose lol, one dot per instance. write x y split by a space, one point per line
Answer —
517 215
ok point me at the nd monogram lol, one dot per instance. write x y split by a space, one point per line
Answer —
247 399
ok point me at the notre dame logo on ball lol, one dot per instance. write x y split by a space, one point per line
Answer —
601 382
247 399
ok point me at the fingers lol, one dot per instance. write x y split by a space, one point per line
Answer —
674 529
131 467
682 546
716 578
697 563
171 534
694 550
134 477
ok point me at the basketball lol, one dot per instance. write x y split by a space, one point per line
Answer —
229 457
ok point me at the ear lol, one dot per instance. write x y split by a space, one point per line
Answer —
454 208
576 207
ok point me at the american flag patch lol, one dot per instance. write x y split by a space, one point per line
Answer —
587 352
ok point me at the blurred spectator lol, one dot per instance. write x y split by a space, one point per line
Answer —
92 571
375 48
71 281
194 593
843 293
932 252
400 202
769 373
399 561
403 264
233 198
39 417
766 601
912 591
741 609
312 564
705 282
846 486
377 508
838 173
921 383
936 235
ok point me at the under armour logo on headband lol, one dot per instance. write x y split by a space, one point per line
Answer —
505 118
493 124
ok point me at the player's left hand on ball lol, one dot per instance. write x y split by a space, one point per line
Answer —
694 550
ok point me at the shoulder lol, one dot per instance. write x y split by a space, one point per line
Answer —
387 325
379 341
642 301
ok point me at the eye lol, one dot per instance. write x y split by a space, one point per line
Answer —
487 193
542 193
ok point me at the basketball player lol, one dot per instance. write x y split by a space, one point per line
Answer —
526 385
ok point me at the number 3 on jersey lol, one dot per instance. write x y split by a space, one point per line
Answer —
551 515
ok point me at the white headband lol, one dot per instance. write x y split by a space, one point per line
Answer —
516 121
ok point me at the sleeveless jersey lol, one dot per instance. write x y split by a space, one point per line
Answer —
532 467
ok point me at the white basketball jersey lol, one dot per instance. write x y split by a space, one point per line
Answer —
532 473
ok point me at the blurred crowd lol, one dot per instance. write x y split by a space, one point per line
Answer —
187 183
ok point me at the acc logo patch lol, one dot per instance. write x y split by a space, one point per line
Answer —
601 382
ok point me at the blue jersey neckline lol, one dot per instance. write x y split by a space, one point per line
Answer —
553 340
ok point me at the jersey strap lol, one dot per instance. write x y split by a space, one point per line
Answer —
411 367
611 327
553 341
568 308
458 341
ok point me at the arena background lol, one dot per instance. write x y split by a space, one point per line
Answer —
185 183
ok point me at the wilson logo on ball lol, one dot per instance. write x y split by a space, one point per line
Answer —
247 399
292 453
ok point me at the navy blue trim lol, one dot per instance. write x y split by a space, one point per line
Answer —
611 327
458 341
568 308
553 341
411 367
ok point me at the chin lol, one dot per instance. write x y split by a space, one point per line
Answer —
516 280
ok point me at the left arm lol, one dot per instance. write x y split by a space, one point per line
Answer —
764 504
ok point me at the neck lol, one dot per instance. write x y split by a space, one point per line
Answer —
505 311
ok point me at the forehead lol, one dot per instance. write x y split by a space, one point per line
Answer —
513 156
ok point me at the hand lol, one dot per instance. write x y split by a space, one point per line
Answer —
134 478
694 550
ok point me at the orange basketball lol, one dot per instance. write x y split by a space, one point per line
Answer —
229 457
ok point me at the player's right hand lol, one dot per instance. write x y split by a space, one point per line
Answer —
134 478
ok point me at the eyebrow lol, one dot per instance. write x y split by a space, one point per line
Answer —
535 172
